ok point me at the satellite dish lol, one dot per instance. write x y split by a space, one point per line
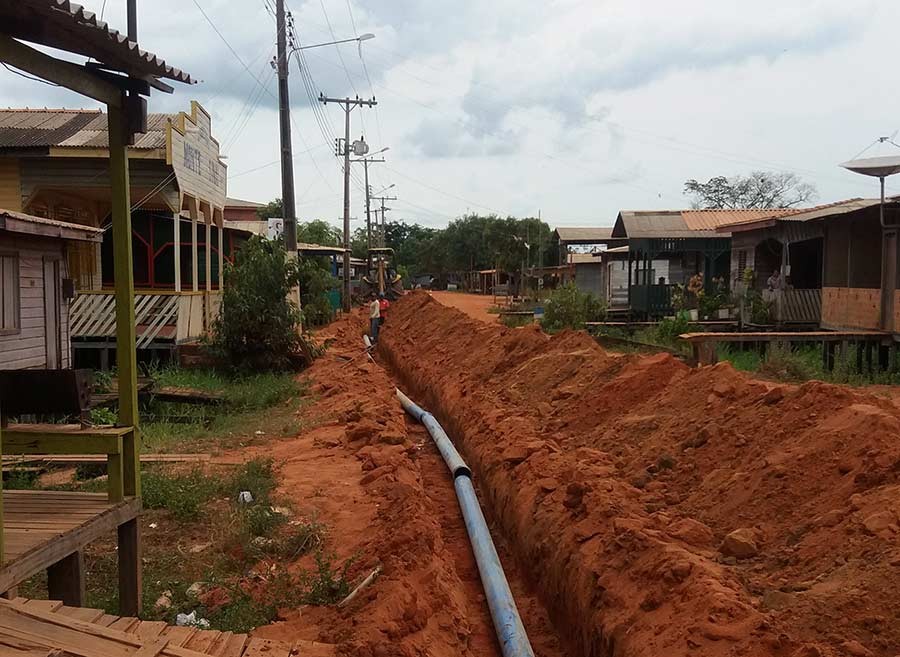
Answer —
878 167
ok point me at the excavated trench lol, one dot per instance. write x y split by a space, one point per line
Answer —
623 487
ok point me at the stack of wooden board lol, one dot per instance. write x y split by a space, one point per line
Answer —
45 628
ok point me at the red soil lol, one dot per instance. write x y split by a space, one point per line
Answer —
474 305
618 477
377 482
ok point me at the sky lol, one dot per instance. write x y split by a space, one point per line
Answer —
571 110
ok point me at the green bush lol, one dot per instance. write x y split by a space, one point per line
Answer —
668 329
569 307
329 583
257 328
315 282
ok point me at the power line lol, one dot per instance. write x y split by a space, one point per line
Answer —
27 77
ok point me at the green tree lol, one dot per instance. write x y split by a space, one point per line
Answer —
258 327
759 190
318 232
271 210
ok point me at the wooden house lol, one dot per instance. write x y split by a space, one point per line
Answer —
55 164
668 247
35 289
836 264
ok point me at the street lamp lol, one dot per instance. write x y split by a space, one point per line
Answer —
360 39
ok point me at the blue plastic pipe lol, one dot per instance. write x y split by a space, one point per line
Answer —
507 623
445 446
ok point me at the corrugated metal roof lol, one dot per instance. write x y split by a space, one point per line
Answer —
241 203
570 234
713 219
37 128
55 228
655 224
817 212
68 26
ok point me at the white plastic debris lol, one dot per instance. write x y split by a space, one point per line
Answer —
245 497
191 620
153 525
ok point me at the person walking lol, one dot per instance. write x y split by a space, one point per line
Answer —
374 318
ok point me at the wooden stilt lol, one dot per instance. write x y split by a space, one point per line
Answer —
65 580
176 237
130 580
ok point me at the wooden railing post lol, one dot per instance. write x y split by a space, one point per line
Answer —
129 532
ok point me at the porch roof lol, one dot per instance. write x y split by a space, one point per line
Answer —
811 214
662 224
27 224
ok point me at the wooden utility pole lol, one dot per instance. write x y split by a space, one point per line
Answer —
348 105
366 161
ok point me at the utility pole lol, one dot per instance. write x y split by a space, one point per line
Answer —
284 116
365 161
132 20
380 229
348 105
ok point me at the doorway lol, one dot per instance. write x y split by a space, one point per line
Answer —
52 314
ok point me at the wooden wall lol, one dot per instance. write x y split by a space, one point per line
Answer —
10 185
27 348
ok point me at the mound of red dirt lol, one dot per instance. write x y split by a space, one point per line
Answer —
668 510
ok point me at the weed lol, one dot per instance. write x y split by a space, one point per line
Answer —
182 495
303 539
102 381
241 614
261 519
515 321
19 479
328 584
102 415
256 476
88 471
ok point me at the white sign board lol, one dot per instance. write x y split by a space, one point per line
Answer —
275 228
194 155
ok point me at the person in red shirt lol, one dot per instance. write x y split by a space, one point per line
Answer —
383 305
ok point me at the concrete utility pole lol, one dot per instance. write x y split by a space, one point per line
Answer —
284 115
380 229
348 105
365 161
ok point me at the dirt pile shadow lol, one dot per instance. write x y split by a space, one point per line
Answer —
668 510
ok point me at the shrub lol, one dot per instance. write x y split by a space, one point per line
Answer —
182 495
668 329
328 584
258 326
569 307
315 282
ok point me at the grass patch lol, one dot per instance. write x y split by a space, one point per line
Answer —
182 495
258 405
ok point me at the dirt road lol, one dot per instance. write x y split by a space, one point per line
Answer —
474 305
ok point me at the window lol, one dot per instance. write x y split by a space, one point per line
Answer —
9 293
742 263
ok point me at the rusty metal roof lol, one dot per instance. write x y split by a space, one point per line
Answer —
811 214
68 26
241 203
714 219
19 222
43 128
655 224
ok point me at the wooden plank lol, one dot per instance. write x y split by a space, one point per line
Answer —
32 442
203 640
43 553
179 636
124 624
80 613
235 646
106 620
149 630
98 458
73 635
47 606
130 571
266 648
151 649
66 74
